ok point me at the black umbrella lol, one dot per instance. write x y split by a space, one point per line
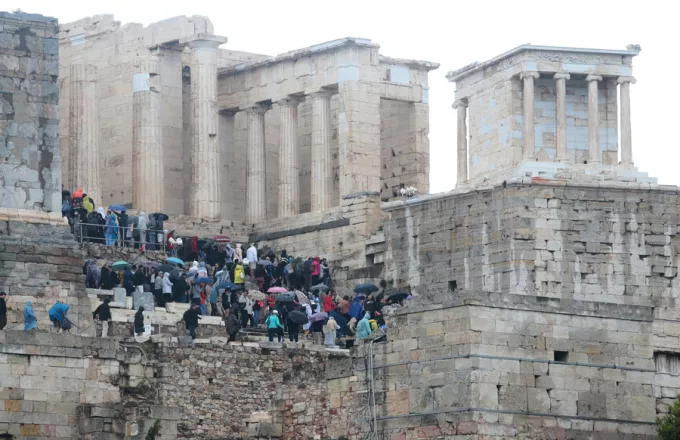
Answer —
397 298
285 297
160 215
298 317
365 288
166 268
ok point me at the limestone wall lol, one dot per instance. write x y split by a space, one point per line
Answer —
30 168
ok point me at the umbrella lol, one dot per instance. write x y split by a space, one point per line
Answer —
264 263
320 287
301 297
166 268
133 220
205 280
230 286
151 264
320 316
221 239
277 290
285 297
256 295
120 265
298 317
174 260
117 208
365 288
160 215
207 244
397 298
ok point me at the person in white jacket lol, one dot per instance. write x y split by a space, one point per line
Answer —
167 288
251 255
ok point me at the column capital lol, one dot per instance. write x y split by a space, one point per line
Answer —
594 78
257 109
463 102
328 94
562 76
203 40
289 101
626 79
529 74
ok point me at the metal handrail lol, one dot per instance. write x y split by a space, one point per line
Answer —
121 239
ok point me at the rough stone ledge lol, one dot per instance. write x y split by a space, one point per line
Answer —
535 304
30 216
263 236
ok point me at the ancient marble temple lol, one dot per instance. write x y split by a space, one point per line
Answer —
166 117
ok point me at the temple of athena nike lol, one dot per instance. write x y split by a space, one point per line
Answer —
544 285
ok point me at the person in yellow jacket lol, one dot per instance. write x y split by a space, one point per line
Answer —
88 203
239 273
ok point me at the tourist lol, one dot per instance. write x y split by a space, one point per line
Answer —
179 288
103 311
364 327
57 315
151 232
226 300
108 277
167 288
211 293
328 302
191 318
128 282
246 305
308 273
203 298
329 331
251 255
123 221
325 272
202 271
238 252
94 274
239 273
193 270
142 228
193 248
30 321
257 306
293 330
138 278
195 289
260 274
158 289
315 271
111 229
139 321
274 326
232 324
307 327
229 258
87 203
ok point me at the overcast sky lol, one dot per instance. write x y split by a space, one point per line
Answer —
452 33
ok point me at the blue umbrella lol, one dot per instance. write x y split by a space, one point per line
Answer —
174 260
204 280
365 288
117 208
230 286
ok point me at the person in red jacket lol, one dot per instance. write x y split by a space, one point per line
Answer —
328 302
315 271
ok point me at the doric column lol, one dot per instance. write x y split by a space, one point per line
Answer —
147 148
529 145
289 167
84 131
461 105
593 120
322 163
256 196
626 134
205 189
561 116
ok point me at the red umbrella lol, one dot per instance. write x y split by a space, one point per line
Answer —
277 290
222 239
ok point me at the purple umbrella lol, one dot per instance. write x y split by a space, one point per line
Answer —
316 317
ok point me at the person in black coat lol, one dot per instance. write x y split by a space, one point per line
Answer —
104 313
179 289
106 278
191 318
138 278
3 310
139 321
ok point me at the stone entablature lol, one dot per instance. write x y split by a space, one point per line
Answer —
556 107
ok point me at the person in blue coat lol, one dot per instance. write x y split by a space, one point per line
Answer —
128 284
30 321
364 327
57 314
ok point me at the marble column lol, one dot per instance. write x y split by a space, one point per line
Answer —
147 147
205 189
84 131
561 116
462 140
626 133
322 159
529 145
593 120
289 166
256 195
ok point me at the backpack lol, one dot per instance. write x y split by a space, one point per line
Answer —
66 323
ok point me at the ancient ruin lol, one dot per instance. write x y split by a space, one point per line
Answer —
544 284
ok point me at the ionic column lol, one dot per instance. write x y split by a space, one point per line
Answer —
322 163
626 133
529 145
461 105
147 148
84 131
593 120
289 167
205 187
561 116
256 196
